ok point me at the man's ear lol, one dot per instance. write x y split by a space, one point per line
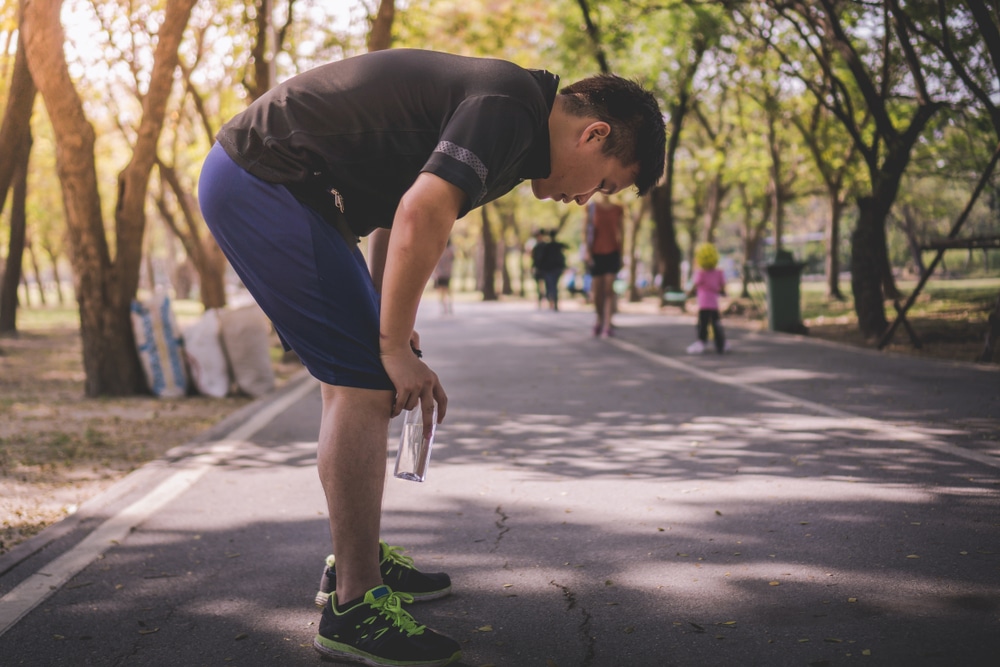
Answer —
597 132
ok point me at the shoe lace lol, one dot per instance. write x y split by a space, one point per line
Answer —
391 607
395 555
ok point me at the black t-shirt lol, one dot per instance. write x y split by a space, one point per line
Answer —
367 126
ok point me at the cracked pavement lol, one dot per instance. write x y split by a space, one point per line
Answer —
597 503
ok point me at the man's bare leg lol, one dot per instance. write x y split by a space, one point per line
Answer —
351 460
608 280
598 286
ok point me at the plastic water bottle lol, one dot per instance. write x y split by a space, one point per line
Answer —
414 452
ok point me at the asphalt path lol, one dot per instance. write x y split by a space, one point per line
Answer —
596 503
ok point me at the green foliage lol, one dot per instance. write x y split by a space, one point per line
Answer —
743 64
517 31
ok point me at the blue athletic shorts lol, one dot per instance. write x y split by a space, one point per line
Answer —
308 279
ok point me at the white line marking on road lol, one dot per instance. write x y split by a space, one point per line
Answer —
36 588
898 431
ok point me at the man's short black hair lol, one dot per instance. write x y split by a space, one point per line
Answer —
638 133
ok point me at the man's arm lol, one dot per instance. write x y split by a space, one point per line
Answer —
420 232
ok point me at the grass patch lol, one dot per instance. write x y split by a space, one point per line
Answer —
48 318
950 317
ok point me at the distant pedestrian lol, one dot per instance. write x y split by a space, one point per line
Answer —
708 284
537 250
442 278
551 266
605 231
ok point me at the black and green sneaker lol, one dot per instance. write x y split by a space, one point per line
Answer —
377 631
398 573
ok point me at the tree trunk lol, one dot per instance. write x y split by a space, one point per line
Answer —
753 232
507 229
595 37
201 248
489 268
44 38
15 248
16 119
777 194
867 261
105 288
666 238
634 296
662 198
27 291
263 50
748 251
380 35
889 288
833 248
506 288
56 276
871 275
28 246
713 205
909 228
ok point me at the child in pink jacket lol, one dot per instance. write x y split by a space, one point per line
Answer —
708 283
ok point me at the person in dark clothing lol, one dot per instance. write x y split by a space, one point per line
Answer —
537 255
395 145
551 264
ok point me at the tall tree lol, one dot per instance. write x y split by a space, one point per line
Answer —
835 161
12 273
15 144
106 285
487 277
16 118
899 85
662 195
268 41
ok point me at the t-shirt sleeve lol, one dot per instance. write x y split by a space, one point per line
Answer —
485 137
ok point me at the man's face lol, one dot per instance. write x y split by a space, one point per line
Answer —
580 170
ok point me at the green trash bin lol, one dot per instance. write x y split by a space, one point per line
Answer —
783 297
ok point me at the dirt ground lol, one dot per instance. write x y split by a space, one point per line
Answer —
58 448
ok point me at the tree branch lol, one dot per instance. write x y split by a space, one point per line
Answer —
595 37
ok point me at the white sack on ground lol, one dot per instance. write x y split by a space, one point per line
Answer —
245 339
205 356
